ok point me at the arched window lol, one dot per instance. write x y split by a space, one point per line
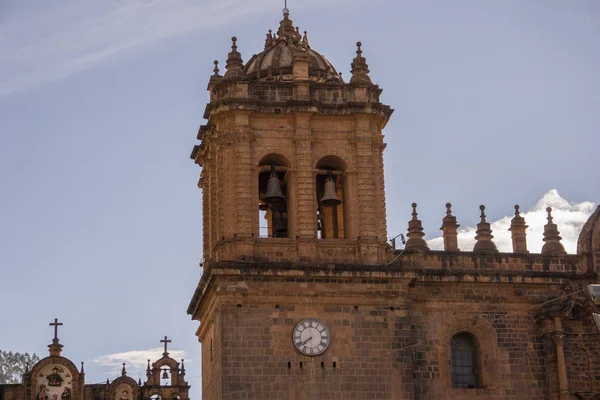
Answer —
330 198
272 196
464 362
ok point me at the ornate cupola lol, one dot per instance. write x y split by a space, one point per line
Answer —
282 50
291 158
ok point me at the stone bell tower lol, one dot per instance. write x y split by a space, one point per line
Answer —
292 180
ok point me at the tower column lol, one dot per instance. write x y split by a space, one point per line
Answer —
305 177
366 179
244 182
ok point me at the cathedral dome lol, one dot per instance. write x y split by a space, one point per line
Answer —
282 49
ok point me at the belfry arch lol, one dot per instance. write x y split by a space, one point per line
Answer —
273 196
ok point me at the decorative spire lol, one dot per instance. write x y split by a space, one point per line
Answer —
234 66
415 235
82 370
216 70
552 245
123 370
360 69
107 382
286 31
484 237
182 367
55 348
27 367
305 40
139 381
215 77
518 228
148 370
269 39
450 230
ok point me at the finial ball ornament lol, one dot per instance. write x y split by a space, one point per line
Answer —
358 44
548 209
482 207
414 205
448 205
234 39
517 207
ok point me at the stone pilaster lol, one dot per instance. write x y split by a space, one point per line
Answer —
244 206
378 147
305 178
366 179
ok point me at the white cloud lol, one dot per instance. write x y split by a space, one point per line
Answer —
569 217
60 40
136 360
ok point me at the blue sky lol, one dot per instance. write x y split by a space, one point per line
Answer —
497 103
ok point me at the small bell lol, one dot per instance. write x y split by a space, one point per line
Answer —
165 375
274 193
329 193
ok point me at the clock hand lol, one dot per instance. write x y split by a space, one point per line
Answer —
307 340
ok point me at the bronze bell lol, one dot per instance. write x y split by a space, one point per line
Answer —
165 375
274 193
329 193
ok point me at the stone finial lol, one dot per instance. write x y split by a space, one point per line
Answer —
305 40
139 381
450 230
148 370
360 69
484 237
215 77
82 370
552 245
182 367
518 228
415 235
123 370
107 382
269 39
216 69
234 66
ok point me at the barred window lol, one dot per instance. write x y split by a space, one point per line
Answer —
464 362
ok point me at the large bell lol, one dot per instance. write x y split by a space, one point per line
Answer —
165 375
274 193
329 193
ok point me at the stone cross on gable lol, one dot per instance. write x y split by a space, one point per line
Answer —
56 324
165 341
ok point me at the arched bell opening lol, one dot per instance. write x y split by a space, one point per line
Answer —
273 196
165 376
331 202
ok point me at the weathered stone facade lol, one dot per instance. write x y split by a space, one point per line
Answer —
286 123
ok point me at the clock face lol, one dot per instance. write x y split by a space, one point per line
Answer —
311 337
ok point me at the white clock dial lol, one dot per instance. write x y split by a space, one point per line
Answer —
311 337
